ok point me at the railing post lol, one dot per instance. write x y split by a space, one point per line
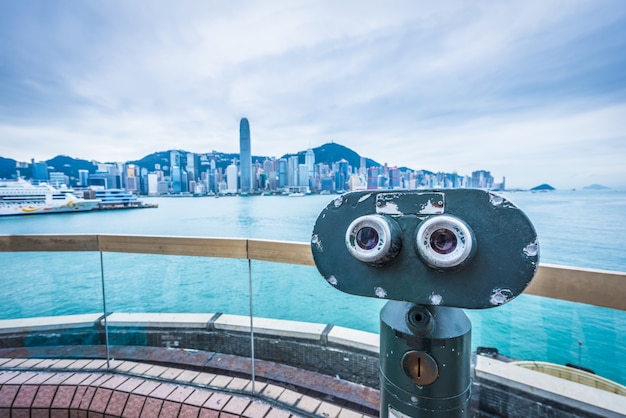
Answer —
252 363
104 307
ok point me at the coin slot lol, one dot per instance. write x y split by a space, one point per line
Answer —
420 367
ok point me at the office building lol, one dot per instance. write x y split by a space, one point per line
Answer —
283 177
245 156
482 179
292 171
58 179
83 178
192 169
153 184
341 175
40 172
309 160
231 179
303 175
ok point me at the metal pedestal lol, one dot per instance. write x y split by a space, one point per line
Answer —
424 361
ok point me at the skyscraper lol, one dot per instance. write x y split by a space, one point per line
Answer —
40 171
292 170
309 160
176 172
231 178
245 156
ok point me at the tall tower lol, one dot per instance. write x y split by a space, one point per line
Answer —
309 160
245 156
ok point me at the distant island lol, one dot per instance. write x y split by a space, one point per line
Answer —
596 187
542 188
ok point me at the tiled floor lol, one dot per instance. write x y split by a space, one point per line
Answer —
86 388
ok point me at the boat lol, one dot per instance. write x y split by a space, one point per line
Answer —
20 197
118 199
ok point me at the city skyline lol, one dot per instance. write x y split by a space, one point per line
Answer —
177 172
234 159
533 90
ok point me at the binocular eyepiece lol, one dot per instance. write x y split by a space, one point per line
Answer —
462 248
373 239
442 241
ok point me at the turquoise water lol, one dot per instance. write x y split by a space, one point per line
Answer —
581 229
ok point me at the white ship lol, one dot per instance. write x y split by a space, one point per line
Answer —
22 198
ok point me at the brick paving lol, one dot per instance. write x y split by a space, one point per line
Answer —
85 388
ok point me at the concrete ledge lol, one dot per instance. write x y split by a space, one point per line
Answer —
158 320
273 327
353 338
48 323
562 391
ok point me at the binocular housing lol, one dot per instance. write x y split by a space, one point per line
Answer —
464 248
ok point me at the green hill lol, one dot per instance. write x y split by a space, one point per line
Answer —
332 152
542 187
7 168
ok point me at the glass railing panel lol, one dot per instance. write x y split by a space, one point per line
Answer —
556 331
164 283
194 306
50 299
299 293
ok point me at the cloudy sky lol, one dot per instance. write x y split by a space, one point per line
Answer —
531 90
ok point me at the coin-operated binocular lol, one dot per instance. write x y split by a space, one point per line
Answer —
431 253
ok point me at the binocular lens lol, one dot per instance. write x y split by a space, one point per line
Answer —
443 241
373 239
367 238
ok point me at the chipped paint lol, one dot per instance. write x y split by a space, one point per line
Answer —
338 201
332 280
380 292
432 207
500 296
532 249
496 200
316 241
435 299
389 208
385 204
364 197
402 203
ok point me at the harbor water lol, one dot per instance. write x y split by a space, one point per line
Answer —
583 229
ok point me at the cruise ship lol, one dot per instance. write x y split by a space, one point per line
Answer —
23 198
